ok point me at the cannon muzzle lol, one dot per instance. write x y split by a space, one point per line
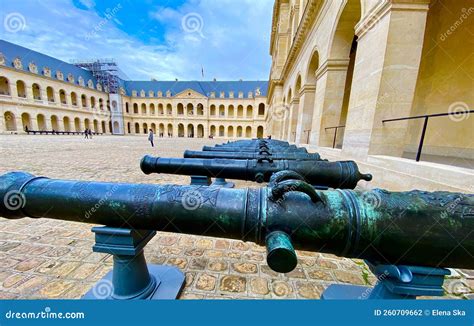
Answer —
404 228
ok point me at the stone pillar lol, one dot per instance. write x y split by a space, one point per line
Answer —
305 114
385 74
329 96
19 123
293 118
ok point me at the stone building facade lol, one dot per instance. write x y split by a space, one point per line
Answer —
353 63
43 93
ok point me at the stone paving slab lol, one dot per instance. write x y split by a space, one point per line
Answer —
42 258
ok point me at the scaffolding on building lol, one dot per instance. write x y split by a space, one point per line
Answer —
105 71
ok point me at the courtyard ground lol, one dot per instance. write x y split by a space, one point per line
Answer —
53 259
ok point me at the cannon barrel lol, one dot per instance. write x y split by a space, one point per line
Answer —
404 228
252 156
253 149
341 174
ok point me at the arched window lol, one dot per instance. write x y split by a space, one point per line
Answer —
62 96
170 130
200 109
143 109
230 111
160 109
73 99
230 131
213 131
169 109
249 113
50 94
145 128
127 109
240 111
21 89
180 110
152 109
213 110
260 132
137 127
101 103
93 103
190 109
180 130
84 101
221 131
221 110
36 91
261 109
135 108
4 86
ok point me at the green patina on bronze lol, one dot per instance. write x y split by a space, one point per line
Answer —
405 228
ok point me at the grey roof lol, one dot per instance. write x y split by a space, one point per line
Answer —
12 51
203 87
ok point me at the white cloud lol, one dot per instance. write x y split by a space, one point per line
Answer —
235 43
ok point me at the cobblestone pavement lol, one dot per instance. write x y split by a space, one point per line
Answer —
54 259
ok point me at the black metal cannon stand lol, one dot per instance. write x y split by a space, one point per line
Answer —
393 282
131 277
198 180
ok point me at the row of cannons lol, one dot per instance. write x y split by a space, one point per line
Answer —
408 239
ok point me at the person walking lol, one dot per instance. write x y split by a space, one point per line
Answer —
90 133
150 138
86 133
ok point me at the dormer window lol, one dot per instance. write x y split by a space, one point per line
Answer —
222 95
231 94
241 94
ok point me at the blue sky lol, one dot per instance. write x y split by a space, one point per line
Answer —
149 39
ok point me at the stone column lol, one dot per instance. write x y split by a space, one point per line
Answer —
293 118
329 96
305 114
385 75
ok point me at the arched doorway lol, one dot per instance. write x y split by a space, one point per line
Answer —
54 123
137 128
200 131
180 130
10 122
77 124
41 122
96 126
67 124
248 132
341 60
26 121
260 132
190 131
116 127
170 130
230 132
